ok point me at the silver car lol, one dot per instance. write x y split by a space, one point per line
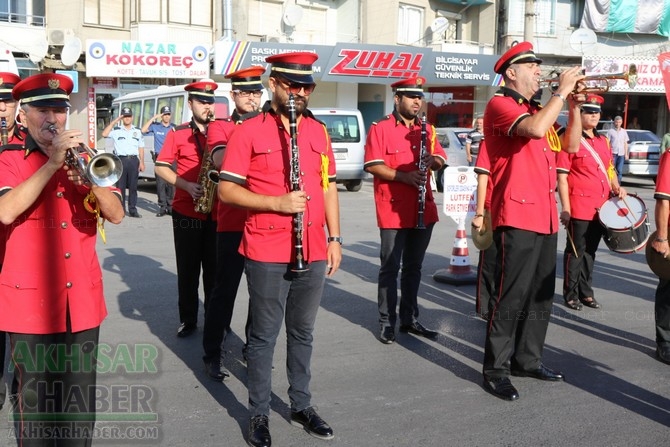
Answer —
644 149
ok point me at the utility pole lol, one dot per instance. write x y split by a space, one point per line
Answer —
529 21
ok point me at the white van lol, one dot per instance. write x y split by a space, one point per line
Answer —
147 103
347 134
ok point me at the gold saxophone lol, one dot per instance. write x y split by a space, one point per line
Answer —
208 178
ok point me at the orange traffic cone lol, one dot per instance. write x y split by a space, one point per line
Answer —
459 271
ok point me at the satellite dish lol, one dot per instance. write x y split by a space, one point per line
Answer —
292 15
38 50
71 51
439 24
582 40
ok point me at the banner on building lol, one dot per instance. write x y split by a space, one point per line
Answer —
649 79
142 59
664 65
627 16
365 64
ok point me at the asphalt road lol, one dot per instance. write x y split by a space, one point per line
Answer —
414 392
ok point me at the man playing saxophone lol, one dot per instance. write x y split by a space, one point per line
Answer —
194 231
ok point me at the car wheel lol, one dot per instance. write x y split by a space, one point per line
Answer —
353 185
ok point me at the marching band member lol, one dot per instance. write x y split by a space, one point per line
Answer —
585 180
392 155
257 175
522 143
52 299
194 231
246 93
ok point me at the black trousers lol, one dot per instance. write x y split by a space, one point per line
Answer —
662 313
131 172
525 287
54 384
578 269
195 249
407 246
164 191
219 308
485 297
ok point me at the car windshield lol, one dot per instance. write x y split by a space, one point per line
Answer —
643 135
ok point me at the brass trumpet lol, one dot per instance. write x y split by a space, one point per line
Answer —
598 83
102 169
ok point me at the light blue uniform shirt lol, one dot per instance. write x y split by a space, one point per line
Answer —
127 142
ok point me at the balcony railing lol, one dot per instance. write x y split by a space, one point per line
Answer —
23 19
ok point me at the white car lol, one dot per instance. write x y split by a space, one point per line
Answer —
644 149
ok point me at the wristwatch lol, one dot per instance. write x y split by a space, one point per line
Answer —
335 239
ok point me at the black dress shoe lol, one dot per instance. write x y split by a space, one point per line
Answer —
417 328
134 214
574 304
387 335
590 302
161 213
259 431
216 371
185 329
540 373
501 387
312 423
663 353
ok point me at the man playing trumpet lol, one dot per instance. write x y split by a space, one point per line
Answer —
586 179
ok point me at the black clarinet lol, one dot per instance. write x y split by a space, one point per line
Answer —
299 266
423 169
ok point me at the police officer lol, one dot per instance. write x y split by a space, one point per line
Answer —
129 147
258 180
392 154
246 93
194 231
160 129
57 305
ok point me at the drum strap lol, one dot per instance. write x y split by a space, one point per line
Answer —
598 160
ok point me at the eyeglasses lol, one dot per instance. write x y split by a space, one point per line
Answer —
247 93
295 88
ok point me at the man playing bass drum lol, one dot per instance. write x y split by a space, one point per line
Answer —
586 179
392 156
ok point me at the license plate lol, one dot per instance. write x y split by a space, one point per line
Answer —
340 155
653 156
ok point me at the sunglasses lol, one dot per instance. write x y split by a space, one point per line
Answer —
295 88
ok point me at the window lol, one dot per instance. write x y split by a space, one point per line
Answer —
576 13
545 17
410 25
190 12
104 12
22 11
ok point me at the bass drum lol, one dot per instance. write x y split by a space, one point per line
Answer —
626 224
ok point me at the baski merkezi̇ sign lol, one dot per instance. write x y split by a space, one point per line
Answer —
142 59
366 64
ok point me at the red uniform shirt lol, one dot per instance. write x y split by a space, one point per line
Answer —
588 185
16 142
51 266
662 190
523 170
258 157
185 145
483 167
397 146
228 218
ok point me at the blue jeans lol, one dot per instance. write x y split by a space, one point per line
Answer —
618 165
276 295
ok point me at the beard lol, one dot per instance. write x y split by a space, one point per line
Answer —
300 106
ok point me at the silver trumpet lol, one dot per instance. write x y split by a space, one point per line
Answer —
101 169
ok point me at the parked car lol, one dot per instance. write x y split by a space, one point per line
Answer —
644 149
452 140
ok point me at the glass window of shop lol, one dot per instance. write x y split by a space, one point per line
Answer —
452 106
